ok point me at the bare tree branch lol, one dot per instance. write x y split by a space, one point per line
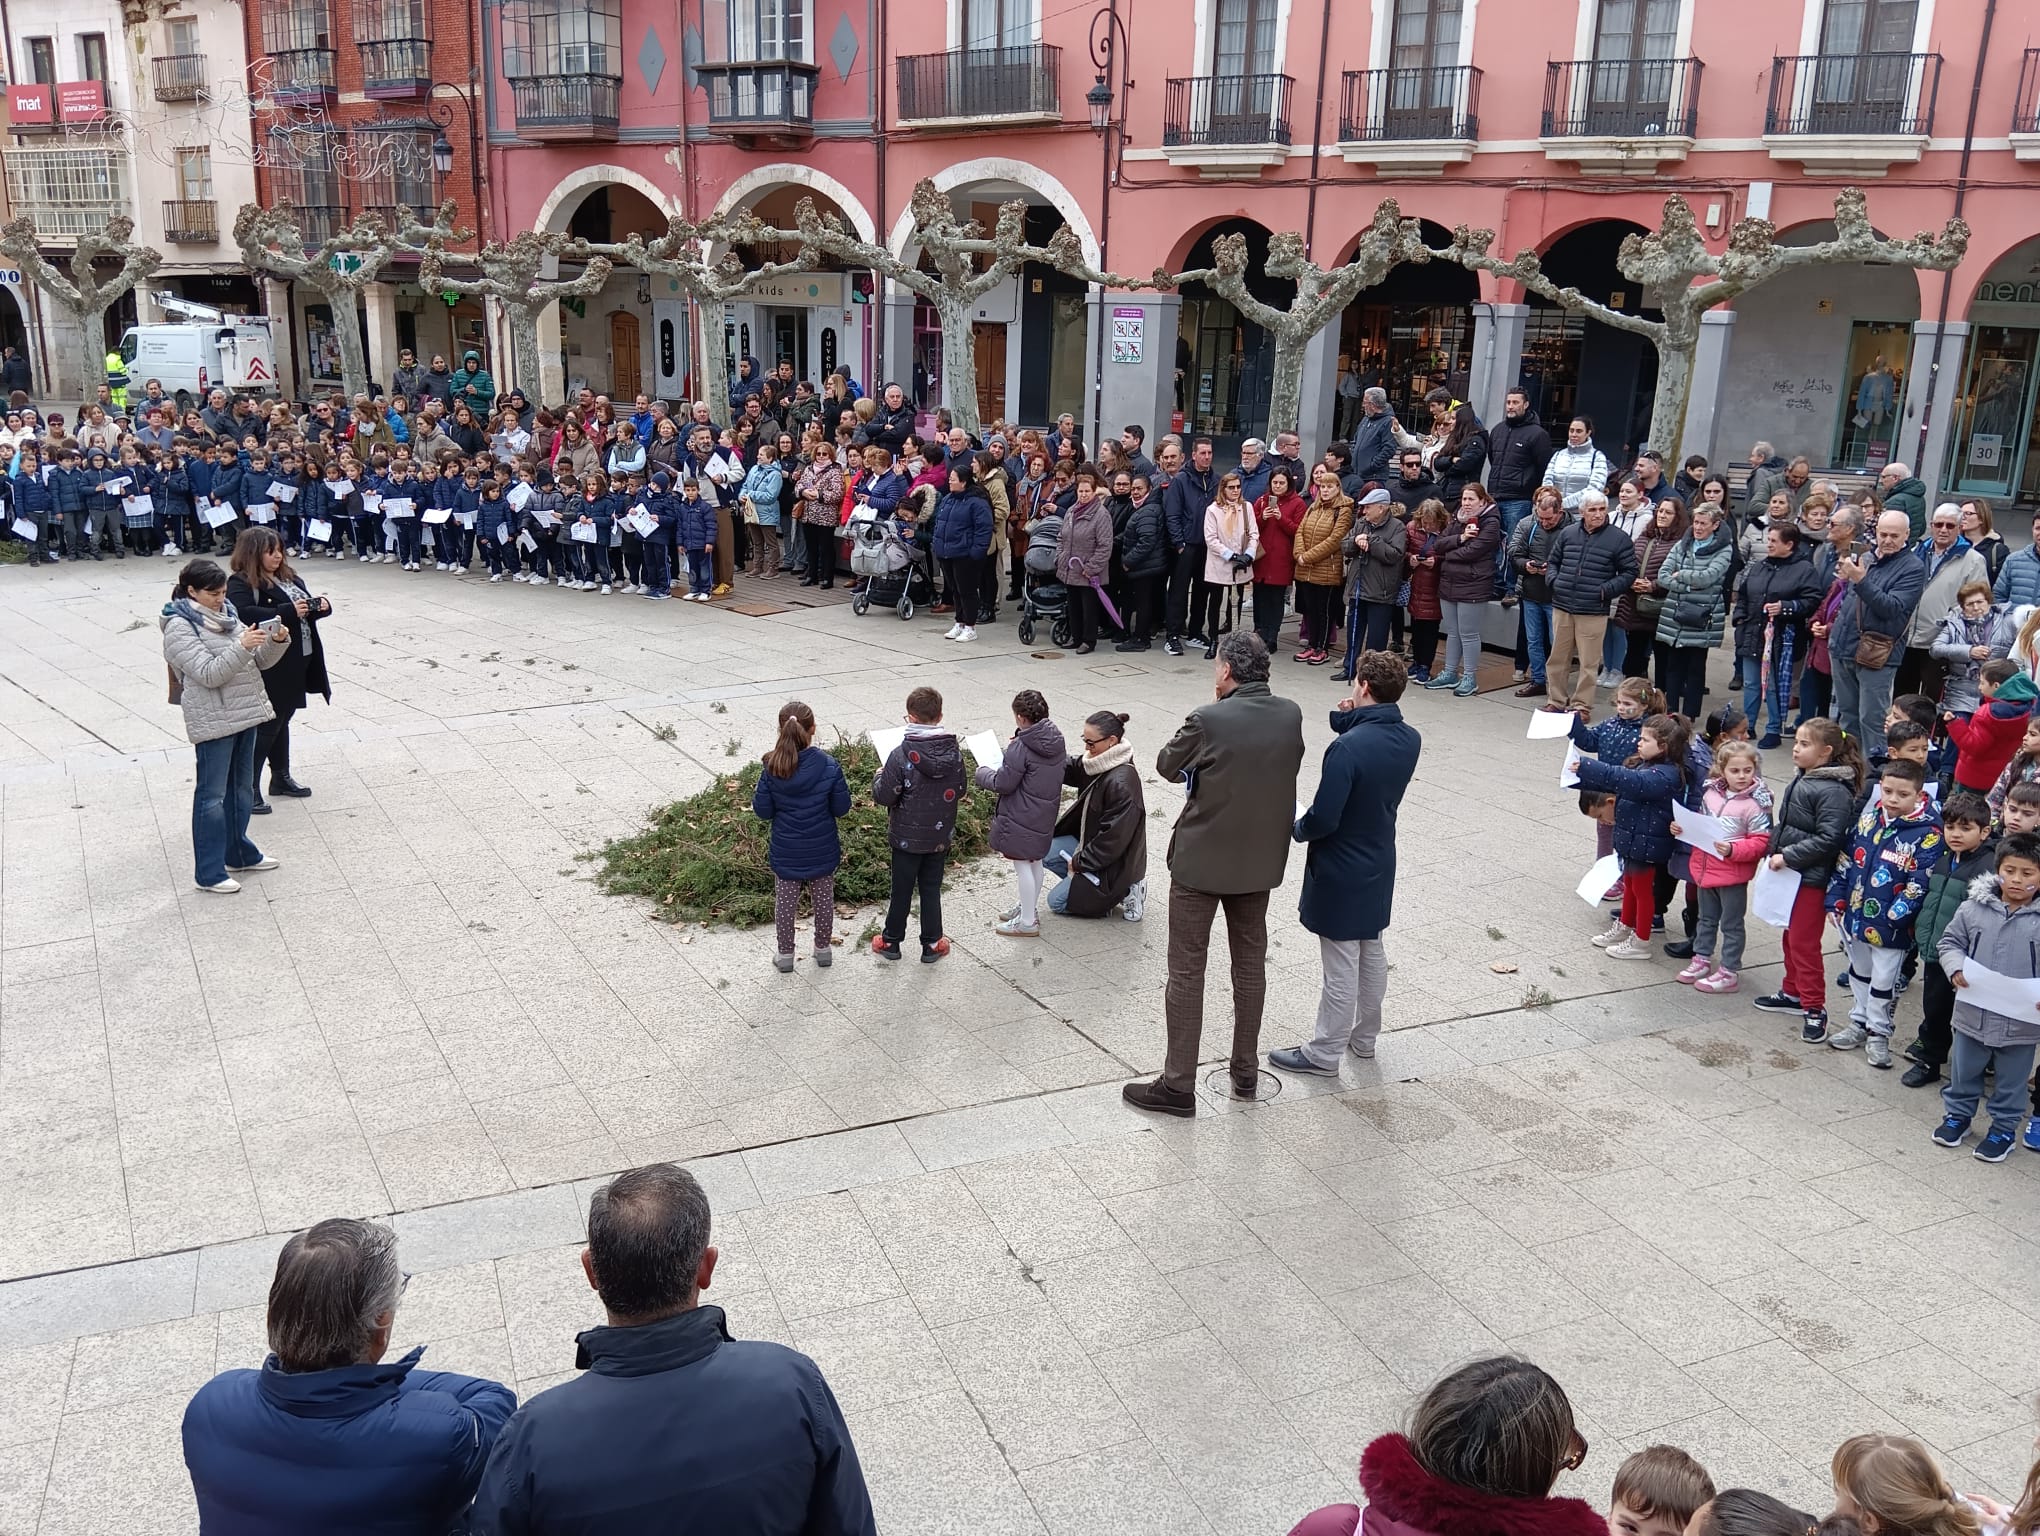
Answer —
513 275
83 294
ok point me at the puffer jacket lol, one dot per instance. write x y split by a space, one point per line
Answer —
1083 549
1109 821
922 786
1910 497
1028 782
1423 578
1961 684
1376 575
1990 738
1146 551
1791 583
1458 469
1695 571
2003 939
1947 575
1466 558
1813 822
217 680
1531 545
1320 538
1882 879
1644 796
1280 518
2018 579
1590 567
1881 603
1747 815
1637 612
1575 471
803 810
1947 889
963 524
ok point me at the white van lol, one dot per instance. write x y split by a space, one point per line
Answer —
193 358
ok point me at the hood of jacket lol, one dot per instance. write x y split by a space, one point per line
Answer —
1043 741
1411 1499
336 1394
935 754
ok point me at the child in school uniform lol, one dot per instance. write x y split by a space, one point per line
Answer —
630 545
102 507
467 517
922 785
1997 928
664 507
403 486
1876 894
494 520
1613 740
803 794
1988 738
547 563
1808 832
181 527
142 524
65 488
32 497
370 486
1645 788
695 532
1967 852
1737 796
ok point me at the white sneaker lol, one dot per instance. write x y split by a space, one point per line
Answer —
260 864
605 589
518 577
442 565
968 634
1519 676
497 577
955 630
171 551
1134 903
1630 949
1614 935
561 581
226 887
366 558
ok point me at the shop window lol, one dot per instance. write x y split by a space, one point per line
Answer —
1994 421
1408 349
1879 352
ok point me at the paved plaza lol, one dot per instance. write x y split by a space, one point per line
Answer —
1042 1311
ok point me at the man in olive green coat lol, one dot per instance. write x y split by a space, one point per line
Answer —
1237 758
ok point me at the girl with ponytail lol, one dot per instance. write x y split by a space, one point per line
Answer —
1891 1486
802 793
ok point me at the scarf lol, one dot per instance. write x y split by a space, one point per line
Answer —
199 617
1121 751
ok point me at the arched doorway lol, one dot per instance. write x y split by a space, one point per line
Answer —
1996 431
1576 366
1224 361
803 325
1407 335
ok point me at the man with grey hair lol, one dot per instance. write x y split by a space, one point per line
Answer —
326 1438
1375 439
1869 629
1903 491
672 1426
1237 759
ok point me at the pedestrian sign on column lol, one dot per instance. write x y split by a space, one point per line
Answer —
1129 334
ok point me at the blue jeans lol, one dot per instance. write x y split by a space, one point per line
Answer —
220 807
1537 635
2007 1104
1506 574
1614 649
1058 862
1780 691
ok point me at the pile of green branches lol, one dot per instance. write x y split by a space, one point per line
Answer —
704 859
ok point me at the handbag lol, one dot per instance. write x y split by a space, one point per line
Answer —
1873 650
1693 610
750 509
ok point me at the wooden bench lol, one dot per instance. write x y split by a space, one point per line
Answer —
1852 482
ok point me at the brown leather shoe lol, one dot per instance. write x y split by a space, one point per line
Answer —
1160 1098
1246 1087
1531 691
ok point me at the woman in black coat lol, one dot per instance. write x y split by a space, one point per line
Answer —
1101 841
263 587
1461 457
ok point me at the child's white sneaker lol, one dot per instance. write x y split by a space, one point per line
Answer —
954 631
497 577
1630 948
171 551
442 565
968 633
1613 936
605 589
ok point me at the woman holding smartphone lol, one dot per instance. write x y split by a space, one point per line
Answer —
216 663
265 590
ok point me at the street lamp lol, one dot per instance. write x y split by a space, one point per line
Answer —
1111 50
442 152
441 115
1099 99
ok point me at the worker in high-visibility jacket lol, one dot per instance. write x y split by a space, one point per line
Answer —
117 379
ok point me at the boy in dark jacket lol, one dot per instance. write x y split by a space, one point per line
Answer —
1968 852
922 786
66 488
1876 894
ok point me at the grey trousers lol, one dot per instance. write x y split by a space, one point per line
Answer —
1356 981
1462 636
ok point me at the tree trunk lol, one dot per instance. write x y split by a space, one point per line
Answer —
1674 389
525 371
343 302
714 352
1285 391
92 367
959 364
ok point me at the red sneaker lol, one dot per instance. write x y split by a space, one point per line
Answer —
930 953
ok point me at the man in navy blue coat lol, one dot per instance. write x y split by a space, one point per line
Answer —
1349 871
326 1439
673 1429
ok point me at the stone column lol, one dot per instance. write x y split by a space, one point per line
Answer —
1933 385
895 338
1317 394
282 337
1703 399
1497 362
379 300
1144 391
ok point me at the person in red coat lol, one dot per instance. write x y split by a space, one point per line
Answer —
1990 738
1483 1450
1279 513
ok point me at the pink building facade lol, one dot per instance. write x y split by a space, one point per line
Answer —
1560 124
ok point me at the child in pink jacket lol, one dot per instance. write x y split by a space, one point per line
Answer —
1737 796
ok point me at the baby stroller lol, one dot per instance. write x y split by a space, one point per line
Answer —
1042 597
894 572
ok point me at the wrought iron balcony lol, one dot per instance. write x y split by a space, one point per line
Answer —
320 222
1441 102
1227 109
179 76
988 86
566 106
299 76
395 66
191 221
762 98
2026 110
1854 93
70 190
1621 98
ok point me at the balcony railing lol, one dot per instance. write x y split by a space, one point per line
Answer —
1621 98
179 76
2026 110
764 96
1378 105
566 105
1227 109
191 221
301 74
1854 93
319 222
981 83
396 66
68 191
392 213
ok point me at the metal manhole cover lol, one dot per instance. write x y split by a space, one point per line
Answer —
1218 1083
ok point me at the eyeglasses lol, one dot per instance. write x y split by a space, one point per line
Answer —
1094 741
1578 1454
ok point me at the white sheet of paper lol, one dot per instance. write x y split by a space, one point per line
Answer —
114 487
261 512
1549 727
1699 830
1304 805
643 521
582 533
371 501
886 739
318 530
985 748
1772 894
398 506
438 514
545 517
638 510
217 517
2011 996
26 530
139 506
340 487
278 491
518 495
1604 874
465 519
1569 770
502 533
527 543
